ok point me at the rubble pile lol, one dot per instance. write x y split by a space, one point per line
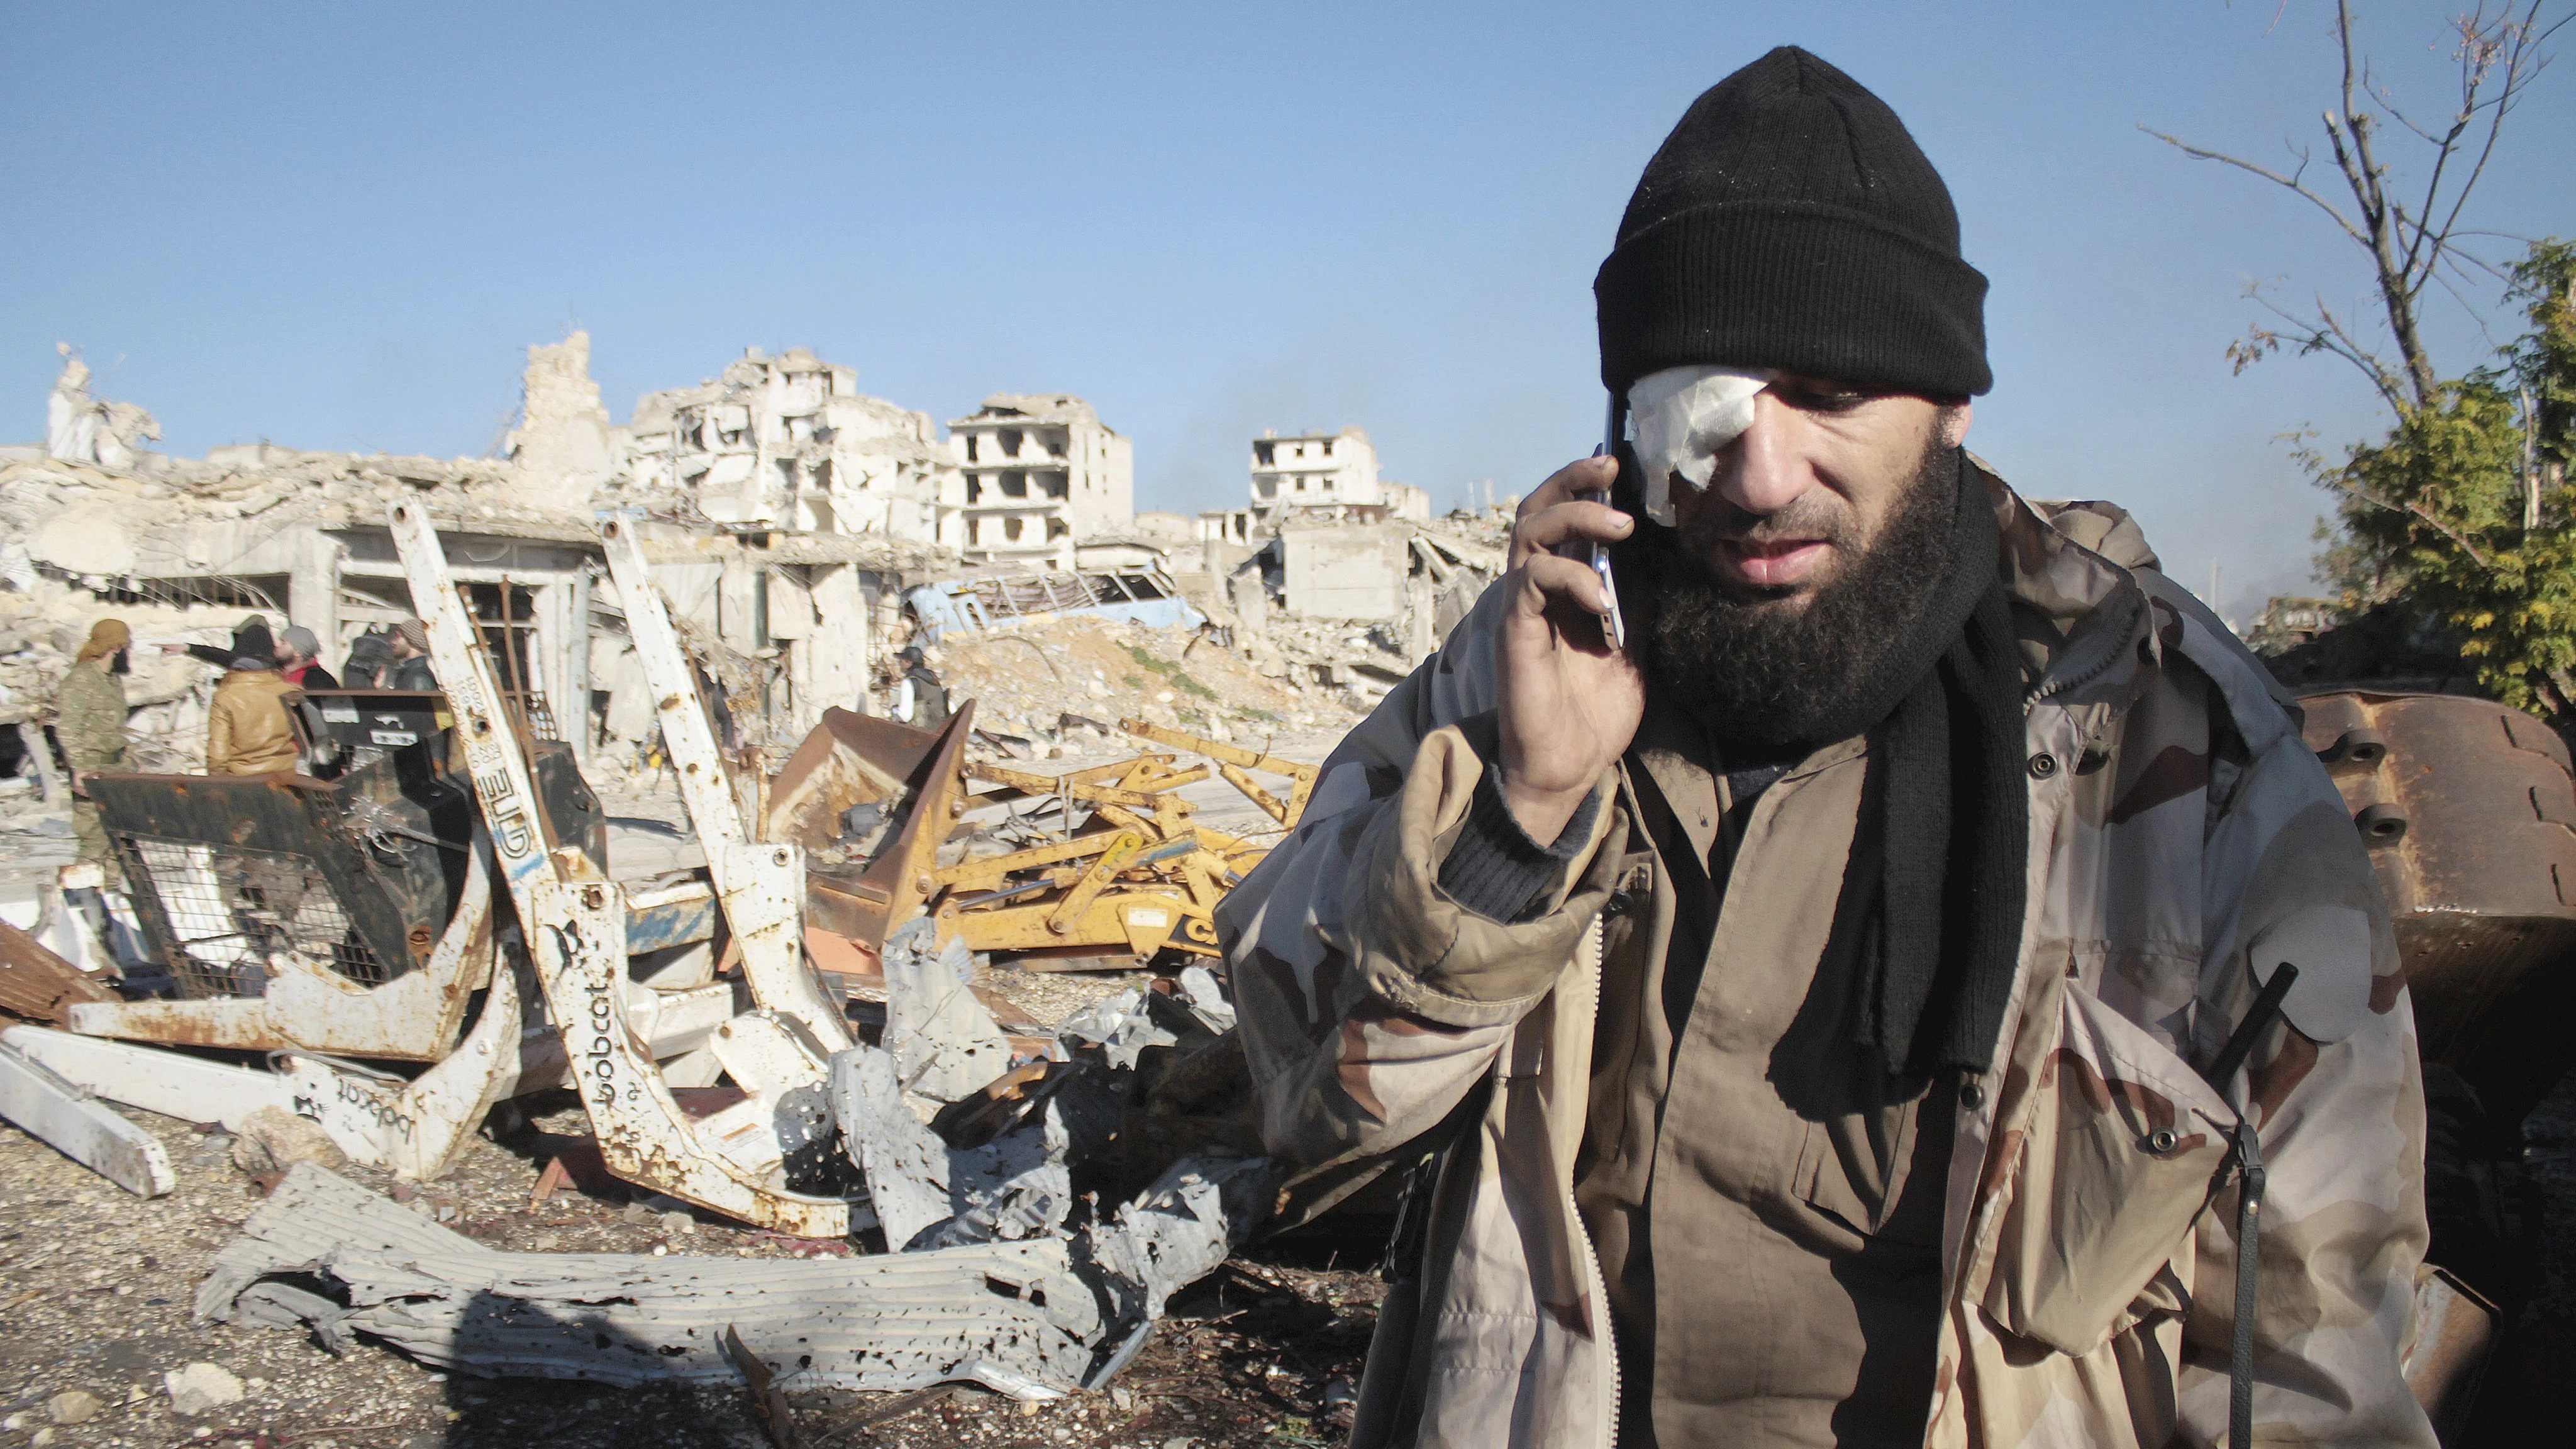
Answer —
102 526
41 629
788 1021
1026 679
1023 1202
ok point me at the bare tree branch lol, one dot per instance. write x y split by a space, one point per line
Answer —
2291 181
2417 240
2478 61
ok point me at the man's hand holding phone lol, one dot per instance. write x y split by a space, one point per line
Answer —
1571 697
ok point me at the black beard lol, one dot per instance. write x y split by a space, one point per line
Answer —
1757 671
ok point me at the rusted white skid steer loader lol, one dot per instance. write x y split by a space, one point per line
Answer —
574 920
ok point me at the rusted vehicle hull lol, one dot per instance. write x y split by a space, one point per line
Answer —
848 760
350 917
2470 815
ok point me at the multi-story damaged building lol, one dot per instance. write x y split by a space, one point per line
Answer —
790 443
1041 472
1314 470
1314 478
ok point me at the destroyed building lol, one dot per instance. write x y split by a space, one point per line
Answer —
1319 478
1042 473
789 442
791 521
1335 575
182 548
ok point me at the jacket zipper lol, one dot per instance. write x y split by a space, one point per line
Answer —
2053 684
1595 939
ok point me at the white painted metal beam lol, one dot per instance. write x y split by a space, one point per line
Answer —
760 886
80 1127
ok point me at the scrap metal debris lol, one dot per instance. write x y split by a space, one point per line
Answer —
435 931
929 1193
945 1043
38 984
1034 1319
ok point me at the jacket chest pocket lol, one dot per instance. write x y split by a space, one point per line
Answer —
2121 1154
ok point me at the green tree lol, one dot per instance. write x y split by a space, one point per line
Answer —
2460 512
2455 515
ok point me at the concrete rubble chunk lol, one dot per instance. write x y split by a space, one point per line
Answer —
273 1139
49 1107
201 1387
73 1406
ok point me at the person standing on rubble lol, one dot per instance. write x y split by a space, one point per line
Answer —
247 729
222 655
1804 1009
920 700
299 659
89 725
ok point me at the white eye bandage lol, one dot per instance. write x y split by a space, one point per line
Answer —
1683 416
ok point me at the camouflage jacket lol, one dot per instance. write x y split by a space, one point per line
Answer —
2180 831
89 719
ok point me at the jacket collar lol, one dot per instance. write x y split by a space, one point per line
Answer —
2068 570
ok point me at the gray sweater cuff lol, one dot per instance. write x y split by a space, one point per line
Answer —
1495 869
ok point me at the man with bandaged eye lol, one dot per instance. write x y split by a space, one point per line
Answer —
1852 1012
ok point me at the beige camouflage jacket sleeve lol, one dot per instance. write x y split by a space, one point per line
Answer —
1373 1000
2186 835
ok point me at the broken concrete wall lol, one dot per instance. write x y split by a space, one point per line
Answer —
1347 571
560 446
789 442
82 429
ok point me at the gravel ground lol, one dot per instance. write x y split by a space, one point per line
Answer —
95 1287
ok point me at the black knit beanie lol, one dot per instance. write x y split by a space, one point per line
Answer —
1790 222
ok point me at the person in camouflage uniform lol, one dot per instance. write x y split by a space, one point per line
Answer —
89 723
1778 1079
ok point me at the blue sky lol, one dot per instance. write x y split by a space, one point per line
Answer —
338 226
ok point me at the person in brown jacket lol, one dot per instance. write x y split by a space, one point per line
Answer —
247 731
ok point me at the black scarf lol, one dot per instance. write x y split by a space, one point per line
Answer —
1936 880
1946 778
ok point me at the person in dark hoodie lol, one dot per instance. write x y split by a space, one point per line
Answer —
222 655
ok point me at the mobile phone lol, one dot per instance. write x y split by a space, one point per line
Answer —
1595 552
